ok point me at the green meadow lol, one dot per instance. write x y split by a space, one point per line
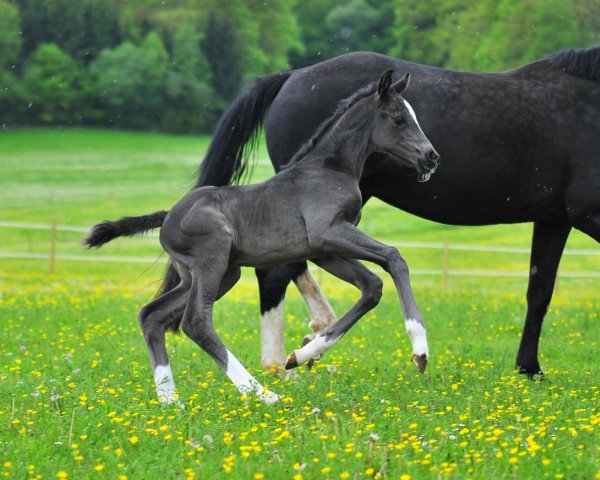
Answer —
77 398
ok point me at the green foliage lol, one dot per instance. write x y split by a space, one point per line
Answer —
10 41
129 81
50 82
201 53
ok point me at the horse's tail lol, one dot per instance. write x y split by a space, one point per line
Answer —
125 227
234 138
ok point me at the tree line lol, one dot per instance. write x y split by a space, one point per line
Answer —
174 65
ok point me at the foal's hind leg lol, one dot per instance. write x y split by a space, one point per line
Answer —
197 323
155 318
370 285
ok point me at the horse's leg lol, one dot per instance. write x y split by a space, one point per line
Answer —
197 324
546 249
272 284
155 318
370 285
321 313
344 239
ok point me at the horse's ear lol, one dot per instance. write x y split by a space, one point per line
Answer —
385 82
401 84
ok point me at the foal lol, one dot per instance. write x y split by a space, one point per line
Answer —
307 212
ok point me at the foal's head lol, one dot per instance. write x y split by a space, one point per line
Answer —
396 131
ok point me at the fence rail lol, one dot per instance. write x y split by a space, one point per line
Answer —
445 247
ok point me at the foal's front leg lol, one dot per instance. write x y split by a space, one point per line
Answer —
344 239
370 285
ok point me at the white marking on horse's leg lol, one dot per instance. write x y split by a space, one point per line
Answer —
245 382
418 338
321 313
271 327
314 348
165 385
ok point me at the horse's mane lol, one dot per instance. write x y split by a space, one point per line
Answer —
342 107
581 62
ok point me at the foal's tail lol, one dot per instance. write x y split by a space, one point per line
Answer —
235 136
125 227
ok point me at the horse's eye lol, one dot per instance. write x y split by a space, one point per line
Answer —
399 120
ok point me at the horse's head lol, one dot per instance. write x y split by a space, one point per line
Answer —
396 131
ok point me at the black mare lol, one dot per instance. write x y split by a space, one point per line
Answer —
308 211
516 146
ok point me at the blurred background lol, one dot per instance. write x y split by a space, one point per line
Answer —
106 110
174 65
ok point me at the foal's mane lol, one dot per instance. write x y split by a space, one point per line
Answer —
581 62
342 107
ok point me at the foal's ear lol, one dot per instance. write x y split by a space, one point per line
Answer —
385 82
401 84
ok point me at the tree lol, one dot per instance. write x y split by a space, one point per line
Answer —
10 40
192 105
129 83
279 34
526 30
225 53
50 83
80 29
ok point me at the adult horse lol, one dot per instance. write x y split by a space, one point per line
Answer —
516 146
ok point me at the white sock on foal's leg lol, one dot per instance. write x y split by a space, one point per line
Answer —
418 338
165 385
245 382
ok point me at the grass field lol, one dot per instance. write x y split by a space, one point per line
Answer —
76 390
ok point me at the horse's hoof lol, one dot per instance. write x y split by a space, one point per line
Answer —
420 361
534 373
291 361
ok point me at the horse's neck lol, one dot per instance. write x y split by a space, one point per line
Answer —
346 146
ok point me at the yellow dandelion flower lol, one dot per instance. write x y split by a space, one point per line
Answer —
513 460
99 467
405 476
62 475
133 440
259 476
344 475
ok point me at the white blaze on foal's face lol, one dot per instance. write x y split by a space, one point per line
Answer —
413 114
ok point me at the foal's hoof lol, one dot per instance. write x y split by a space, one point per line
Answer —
291 361
420 361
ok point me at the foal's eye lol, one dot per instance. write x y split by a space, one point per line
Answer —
399 120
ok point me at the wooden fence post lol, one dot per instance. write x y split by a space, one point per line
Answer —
53 247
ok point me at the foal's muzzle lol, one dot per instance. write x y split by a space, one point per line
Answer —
429 165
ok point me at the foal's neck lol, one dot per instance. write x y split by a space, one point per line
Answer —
345 146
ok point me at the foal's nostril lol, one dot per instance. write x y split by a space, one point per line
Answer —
432 160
